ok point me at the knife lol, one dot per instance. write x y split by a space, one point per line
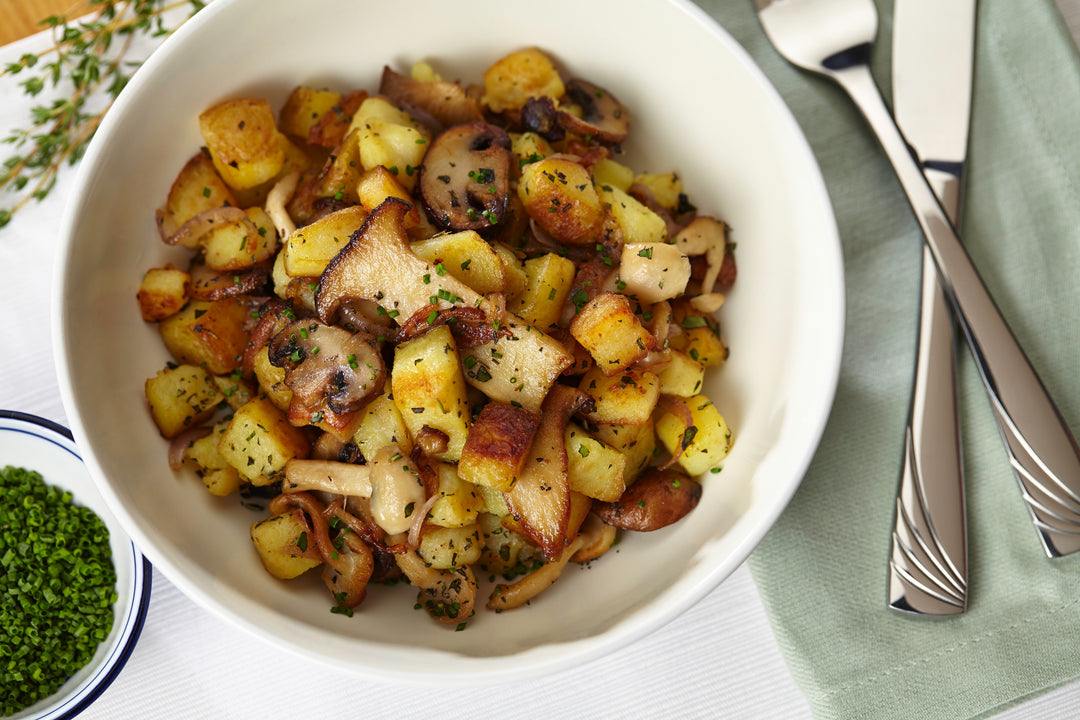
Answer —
933 45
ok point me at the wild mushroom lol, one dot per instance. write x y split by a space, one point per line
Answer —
655 500
518 366
449 596
709 237
210 284
327 366
465 179
389 480
601 116
447 102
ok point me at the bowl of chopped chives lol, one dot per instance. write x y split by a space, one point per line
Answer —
74 589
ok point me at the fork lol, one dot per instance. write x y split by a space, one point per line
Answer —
834 38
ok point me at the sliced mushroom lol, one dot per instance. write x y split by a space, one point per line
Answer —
539 115
655 500
465 179
327 366
602 116
447 102
709 237
210 284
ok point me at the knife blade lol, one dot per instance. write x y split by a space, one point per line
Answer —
933 55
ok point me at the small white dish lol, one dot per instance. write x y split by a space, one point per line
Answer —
40 445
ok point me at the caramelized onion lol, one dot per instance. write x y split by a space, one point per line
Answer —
194 229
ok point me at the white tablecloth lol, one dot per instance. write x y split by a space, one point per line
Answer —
719 660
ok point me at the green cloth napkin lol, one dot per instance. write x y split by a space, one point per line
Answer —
822 569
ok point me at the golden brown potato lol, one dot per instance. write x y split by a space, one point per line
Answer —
701 445
163 292
515 78
303 109
497 446
613 335
243 141
181 398
283 545
624 399
197 188
558 194
259 441
208 333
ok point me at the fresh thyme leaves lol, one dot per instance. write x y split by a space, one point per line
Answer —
90 62
57 587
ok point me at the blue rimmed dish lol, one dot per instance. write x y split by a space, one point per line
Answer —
41 445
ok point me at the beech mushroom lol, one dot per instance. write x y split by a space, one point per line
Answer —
390 480
327 366
449 596
465 179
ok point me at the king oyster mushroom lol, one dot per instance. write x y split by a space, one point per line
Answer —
465 179
327 366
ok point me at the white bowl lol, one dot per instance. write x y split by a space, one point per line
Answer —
701 107
37 444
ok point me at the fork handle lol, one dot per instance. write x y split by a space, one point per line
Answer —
1042 451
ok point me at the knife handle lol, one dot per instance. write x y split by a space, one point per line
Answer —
1042 451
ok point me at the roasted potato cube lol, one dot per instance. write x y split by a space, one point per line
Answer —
682 376
208 333
702 444
259 441
381 424
240 245
303 108
521 75
388 136
341 175
558 194
334 124
459 501
181 397
529 147
593 468
163 292
612 174
497 446
613 335
220 478
624 399
234 388
312 247
701 343
513 271
296 160
271 380
243 141
377 184
665 187
638 223
197 188
636 442
466 256
429 388
444 548
279 540
548 281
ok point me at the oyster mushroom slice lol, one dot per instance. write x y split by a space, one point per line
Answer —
328 364
519 365
465 179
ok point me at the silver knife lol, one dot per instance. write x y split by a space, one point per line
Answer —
933 44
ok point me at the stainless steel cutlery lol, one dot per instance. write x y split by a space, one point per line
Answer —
834 38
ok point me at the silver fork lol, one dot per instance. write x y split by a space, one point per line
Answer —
834 38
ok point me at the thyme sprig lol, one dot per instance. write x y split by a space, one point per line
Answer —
88 65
